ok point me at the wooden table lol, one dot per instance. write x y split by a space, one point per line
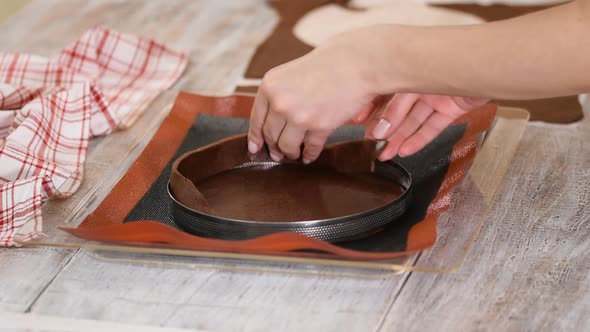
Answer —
529 269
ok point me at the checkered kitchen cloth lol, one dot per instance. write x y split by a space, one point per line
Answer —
50 108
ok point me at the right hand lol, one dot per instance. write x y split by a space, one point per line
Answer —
305 100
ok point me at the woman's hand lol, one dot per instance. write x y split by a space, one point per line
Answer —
305 100
409 121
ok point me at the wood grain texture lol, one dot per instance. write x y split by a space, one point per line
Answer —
529 269
471 201
90 288
15 322
220 39
24 274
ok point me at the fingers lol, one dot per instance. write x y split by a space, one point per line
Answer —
285 139
271 131
453 106
408 121
394 113
431 128
366 112
281 138
419 113
257 118
314 144
291 140
428 117
375 116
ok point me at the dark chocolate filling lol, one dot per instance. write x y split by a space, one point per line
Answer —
292 192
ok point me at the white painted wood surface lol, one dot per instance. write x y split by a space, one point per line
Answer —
220 39
530 268
528 271
15 322
24 274
89 288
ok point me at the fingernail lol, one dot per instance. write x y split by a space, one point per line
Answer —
403 152
381 129
252 147
306 161
275 157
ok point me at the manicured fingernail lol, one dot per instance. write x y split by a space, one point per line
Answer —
252 147
381 129
275 157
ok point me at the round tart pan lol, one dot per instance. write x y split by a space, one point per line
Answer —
221 191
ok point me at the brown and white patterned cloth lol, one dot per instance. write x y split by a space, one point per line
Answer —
51 108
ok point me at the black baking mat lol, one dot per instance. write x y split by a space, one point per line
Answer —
428 168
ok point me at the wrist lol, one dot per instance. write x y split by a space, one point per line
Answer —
384 62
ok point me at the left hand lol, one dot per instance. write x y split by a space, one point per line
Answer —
409 121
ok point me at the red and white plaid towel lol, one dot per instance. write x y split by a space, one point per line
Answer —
50 108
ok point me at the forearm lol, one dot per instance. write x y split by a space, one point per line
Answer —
544 54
